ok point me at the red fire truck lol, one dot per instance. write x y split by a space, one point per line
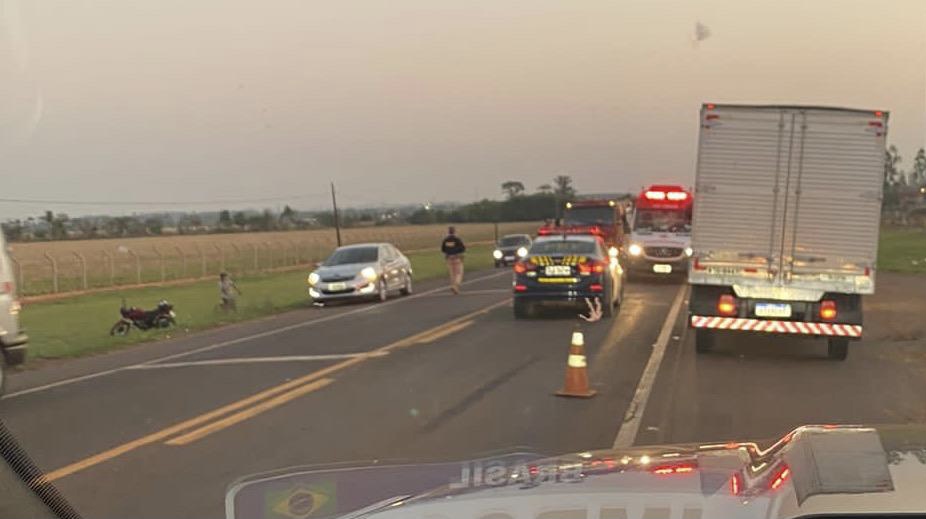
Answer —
599 216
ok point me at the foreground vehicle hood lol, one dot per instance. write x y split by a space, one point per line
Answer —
812 470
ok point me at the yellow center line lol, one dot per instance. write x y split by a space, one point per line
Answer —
445 332
196 421
250 412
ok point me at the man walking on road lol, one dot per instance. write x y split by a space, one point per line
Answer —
453 250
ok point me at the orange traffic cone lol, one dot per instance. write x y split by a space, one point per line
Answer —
576 372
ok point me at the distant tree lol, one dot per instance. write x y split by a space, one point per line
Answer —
240 219
225 219
512 188
918 173
545 189
13 230
892 174
49 217
154 225
288 217
563 187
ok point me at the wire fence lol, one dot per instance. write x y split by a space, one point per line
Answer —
85 266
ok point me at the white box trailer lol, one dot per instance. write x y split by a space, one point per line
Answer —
786 218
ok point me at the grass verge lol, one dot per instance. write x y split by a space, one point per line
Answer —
902 250
80 325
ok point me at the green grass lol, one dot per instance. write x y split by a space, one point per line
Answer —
902 250
80 325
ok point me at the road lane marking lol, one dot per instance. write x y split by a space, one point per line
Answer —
634 415
248 413
445 332
239 340
256 360
254 399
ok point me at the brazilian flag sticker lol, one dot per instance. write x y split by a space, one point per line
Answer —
302 502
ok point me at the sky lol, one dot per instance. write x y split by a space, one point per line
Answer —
208 104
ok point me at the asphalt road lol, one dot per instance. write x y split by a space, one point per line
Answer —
161 430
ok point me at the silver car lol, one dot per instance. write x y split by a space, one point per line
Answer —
365 270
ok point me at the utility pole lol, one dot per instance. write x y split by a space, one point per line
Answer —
337 222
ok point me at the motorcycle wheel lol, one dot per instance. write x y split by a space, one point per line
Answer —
162 322
120 329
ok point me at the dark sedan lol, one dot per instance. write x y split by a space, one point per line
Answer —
567 269
510 248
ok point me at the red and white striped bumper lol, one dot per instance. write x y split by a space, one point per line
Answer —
759 325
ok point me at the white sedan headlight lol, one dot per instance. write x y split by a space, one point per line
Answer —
314 278
635 250
522 251
368 273
497 254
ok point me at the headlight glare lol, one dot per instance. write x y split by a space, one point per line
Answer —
314 278
522 251
635 250
689 251
497 254
368 273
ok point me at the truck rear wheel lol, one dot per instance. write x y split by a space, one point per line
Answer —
837 348
704 341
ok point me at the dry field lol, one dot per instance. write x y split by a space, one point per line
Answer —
122 261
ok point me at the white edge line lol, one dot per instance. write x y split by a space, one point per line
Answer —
259 360
634 416
222 344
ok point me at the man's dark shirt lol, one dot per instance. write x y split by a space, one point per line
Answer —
451 245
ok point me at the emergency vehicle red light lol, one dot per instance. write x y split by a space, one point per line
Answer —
545 231
726 305
780 478
827 310
656 195
677 195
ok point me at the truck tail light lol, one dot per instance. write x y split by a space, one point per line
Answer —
828 310
726 305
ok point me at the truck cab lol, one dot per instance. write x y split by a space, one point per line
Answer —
601 217
660 237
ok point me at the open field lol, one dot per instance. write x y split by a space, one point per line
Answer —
80 325
902 250
122 261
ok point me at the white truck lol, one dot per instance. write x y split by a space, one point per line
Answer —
787 210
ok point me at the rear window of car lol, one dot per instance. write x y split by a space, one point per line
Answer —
564 247
352 255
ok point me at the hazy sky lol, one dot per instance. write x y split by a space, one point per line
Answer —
408 101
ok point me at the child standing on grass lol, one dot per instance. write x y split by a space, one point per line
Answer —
228 291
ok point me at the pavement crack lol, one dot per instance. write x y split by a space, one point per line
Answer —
476 395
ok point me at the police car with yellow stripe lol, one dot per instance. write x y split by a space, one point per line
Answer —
567 268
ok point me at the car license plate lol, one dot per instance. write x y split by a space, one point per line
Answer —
773 310
509 258
337 287
558 270
661 268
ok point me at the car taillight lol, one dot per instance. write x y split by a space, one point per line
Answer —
736 484
520 267
681 468
590 267
520 288
726 305
827 310
596 287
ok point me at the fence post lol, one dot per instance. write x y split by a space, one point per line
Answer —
54 271
161 263
83 268
182 261
137 266
297 257
221 257
20 281
202 259
256 263
269 254
108 258
237 253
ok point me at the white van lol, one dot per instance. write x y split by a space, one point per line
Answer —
13 342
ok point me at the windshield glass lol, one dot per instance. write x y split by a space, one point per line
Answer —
589 216
662 220
385 231
511 241
563 247
352 255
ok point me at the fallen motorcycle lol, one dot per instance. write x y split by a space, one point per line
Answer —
161 317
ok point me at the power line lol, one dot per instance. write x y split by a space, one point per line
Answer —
158 203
